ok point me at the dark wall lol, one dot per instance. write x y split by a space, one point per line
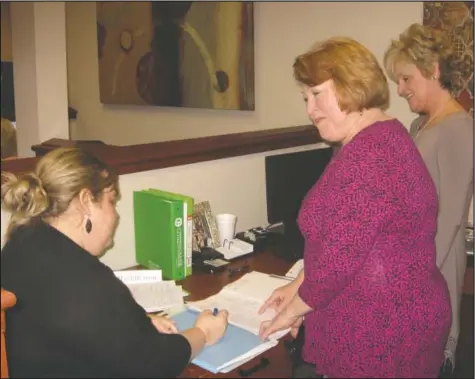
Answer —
7 95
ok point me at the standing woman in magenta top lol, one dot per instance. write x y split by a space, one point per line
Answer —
429 74
374 301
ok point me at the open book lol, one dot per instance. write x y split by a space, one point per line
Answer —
243 299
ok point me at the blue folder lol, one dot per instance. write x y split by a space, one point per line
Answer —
235 343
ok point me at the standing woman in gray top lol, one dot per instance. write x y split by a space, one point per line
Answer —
429 76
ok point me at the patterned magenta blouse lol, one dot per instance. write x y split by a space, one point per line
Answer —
380 305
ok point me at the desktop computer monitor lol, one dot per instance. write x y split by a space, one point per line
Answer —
288 179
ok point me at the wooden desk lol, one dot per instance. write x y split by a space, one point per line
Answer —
202 285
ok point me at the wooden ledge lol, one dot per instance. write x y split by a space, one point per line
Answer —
151 156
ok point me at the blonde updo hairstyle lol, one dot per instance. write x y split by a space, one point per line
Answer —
359 80
58 178
424 47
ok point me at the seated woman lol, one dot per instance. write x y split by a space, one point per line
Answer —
374 301
74 318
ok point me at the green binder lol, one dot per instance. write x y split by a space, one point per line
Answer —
159 234
188 216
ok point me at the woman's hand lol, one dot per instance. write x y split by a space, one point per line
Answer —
280 298
213 327
281 321
294 328
163 324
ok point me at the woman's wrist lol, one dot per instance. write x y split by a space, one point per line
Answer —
202 332
296 308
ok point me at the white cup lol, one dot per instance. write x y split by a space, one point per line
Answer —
226 227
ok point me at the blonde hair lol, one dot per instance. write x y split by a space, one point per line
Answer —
424 46
8 139
58 178
359 80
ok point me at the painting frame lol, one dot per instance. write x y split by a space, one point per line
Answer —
186 54
202 214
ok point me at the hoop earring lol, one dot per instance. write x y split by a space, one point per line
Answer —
88 226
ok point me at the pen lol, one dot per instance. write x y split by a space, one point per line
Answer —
215 311
281 277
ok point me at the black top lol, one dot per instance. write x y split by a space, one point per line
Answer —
74 318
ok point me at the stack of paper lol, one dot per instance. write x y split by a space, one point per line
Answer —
234 349
149 291
242 299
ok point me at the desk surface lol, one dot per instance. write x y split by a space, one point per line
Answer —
202 285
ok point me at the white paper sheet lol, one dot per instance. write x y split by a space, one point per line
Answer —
248 356
256 285
139 276
295 269
157 296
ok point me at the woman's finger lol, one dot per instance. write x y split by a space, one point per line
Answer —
263 328
294 332
167 328
171 326
272 302
172 329
269 330
164 325
280 305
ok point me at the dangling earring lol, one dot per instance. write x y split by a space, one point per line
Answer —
88 226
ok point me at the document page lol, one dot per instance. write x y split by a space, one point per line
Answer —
256 285
243 312
157 296
295 269
243 299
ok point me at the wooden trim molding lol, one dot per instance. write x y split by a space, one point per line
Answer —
151 156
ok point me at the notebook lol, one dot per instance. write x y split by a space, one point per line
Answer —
237 346
159 228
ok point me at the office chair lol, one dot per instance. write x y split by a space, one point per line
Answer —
8 301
